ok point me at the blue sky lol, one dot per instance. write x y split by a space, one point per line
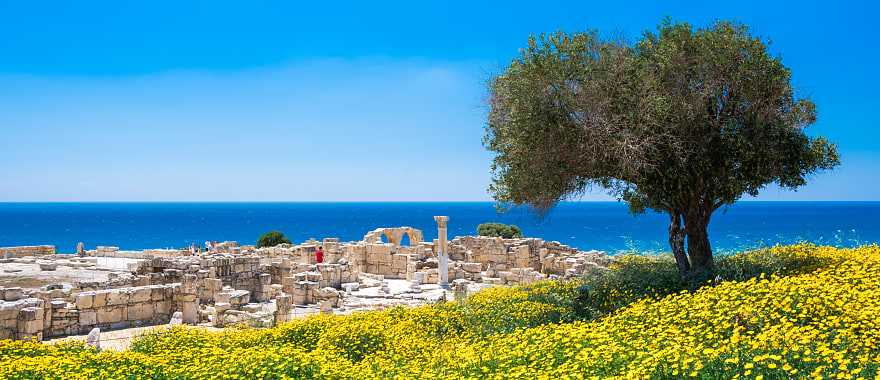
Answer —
348 101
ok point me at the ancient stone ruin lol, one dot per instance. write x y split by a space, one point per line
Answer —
107 288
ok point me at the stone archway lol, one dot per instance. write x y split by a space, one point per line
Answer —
394 235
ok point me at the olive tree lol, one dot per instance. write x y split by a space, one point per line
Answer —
683 121
271 239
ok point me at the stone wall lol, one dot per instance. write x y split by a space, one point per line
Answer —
119 308
378 258
23 251
240 271
35 318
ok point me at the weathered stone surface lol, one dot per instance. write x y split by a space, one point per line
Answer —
85 300
88 318
94 338
141 312
140 294
176 319
110 314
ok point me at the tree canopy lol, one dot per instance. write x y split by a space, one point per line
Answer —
684 121
271 239
502 230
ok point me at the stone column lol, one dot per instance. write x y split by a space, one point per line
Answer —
188 299
442 254
282 310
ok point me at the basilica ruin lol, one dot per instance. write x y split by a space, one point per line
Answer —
45 295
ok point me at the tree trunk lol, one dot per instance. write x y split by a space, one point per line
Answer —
696 225
676 243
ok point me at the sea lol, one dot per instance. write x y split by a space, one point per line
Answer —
606 226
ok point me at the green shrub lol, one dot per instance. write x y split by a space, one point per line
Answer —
780 260
634 277
271 239
506 231
629 279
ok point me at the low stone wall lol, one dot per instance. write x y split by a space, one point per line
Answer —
126 307
239 271
35 318
23 251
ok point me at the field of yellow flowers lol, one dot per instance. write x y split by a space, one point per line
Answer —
815 313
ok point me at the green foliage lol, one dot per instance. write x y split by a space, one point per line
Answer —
684 121
506 231
271 239
634 277
628 279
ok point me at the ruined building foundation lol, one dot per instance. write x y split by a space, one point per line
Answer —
45 295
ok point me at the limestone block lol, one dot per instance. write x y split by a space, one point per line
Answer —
88 318
100 298
10 310
214 284
328 293
30 320
10 323
186 298
298 298
141 311
383 249
419 277
162 307
190 312
350 286
140 295
13 294
118 297
111 314
94 338
34 302
58 306
176 319
47 266
189 284
234 297
472 267
157 293
313 276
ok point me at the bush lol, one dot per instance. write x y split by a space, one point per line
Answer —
629 278
271 239
506 231
634 277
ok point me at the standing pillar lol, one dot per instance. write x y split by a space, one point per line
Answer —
442 254
188 299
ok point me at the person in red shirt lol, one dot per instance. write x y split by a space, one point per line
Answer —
319 255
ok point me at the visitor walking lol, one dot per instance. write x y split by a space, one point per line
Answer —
319 255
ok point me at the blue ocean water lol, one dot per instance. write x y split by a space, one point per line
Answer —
586 225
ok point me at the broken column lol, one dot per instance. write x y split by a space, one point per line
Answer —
189 299
282 309
442 254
